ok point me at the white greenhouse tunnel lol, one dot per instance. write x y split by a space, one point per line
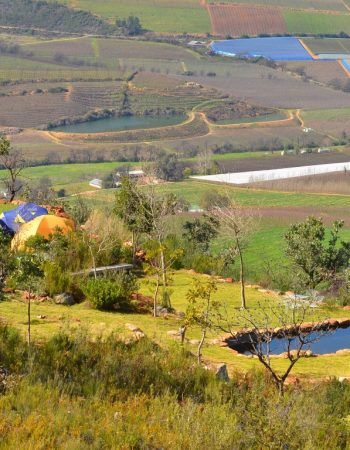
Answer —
274 174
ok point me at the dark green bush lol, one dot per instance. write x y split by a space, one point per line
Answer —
111 294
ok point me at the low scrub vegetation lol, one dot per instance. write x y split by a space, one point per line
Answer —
74 392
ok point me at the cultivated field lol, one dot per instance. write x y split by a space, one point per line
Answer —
316 23
331 121
239 20
333 5
331 183
324 45
34 109
174 16
322 71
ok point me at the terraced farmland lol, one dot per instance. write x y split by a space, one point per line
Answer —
39 109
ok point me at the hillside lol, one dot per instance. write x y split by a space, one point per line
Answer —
52 17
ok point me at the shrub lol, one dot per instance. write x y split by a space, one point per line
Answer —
111 294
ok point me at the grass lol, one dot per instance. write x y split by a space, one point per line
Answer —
102 323
316 23
324 45
327 114
69 174
336 5
161 15
194 190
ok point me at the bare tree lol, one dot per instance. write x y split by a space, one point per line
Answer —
100 233
236 224
13 162
293 322
157 210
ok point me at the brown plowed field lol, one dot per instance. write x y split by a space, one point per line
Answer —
238 20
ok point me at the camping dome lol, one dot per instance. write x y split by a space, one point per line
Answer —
41 226
15 218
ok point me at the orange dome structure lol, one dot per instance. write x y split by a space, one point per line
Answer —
41 226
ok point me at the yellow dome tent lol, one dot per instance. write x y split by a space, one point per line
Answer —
41 226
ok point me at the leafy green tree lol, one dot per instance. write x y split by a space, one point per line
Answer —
200 232
168 167
131 26
28 274
201 309
316 259
6 258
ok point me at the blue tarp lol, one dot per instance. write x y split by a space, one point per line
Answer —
14 218
274 48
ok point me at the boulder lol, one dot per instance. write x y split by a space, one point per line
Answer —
333 323
131 327
343 352
344 322
64 299
138 333
173 333
221 372
344 379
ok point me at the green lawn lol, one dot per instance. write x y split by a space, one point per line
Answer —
73 177
193 191
316 22
101 323
327 114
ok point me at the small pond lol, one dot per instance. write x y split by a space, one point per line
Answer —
338 339
122 123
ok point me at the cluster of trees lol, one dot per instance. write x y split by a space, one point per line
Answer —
53 17
130 26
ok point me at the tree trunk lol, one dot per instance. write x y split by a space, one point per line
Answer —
182 331
242 276
134 244
29 317
93 263
199 349
155 296
163 268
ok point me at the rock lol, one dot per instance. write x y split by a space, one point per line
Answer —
131 327
64 299
173 333
344 379
138 333
346 308
333 323
194 342
41 317
221 372
344 322
117 415
343 352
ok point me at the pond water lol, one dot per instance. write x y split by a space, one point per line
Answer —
328 343
122 123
